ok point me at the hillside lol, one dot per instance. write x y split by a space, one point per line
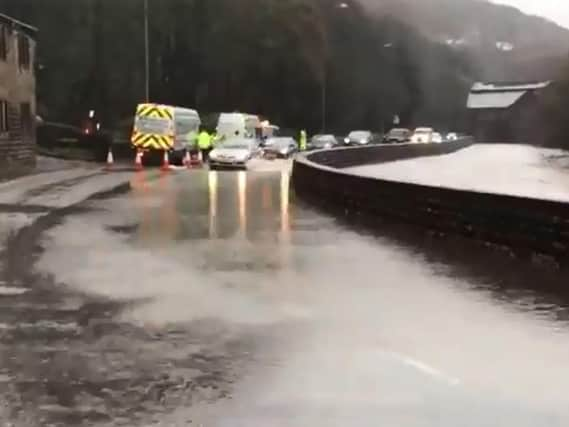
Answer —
285 59
505 43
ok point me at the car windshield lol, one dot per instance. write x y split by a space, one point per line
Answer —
279 142
398 132
323 139
237 144
359 135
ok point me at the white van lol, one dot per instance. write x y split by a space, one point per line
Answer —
422 136
237 124
187 124
163 127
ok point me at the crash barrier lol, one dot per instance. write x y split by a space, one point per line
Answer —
528 226
346 157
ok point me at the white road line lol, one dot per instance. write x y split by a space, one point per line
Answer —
424 368
41 325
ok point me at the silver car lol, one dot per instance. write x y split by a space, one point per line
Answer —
282 147
359 137
233 153
322 142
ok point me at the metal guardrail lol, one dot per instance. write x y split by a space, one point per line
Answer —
526 224
370 154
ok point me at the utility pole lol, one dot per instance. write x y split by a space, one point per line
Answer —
324 95
146 53
96 90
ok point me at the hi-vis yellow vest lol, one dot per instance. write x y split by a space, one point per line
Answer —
204 141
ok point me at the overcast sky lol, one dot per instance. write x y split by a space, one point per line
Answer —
556 10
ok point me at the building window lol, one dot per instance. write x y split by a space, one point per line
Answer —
26 118
23 51
3 43
4 117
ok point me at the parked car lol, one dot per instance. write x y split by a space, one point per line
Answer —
323 142
437 138
423 135
359 137
282 147
397 136
233 153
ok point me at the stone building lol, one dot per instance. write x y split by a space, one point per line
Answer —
507 112
17 96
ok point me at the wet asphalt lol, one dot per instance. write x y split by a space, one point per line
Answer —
518 170
220 299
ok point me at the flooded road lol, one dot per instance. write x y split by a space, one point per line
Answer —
218 299
519 170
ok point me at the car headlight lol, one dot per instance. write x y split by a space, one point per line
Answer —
347 140
328 146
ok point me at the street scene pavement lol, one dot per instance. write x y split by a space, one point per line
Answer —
218 299
181 244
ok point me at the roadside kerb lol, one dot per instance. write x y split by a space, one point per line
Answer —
526 224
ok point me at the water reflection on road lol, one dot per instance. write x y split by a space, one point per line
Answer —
356 329
169 210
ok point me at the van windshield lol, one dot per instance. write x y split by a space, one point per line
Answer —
152 125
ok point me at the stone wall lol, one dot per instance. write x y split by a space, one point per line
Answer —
527 225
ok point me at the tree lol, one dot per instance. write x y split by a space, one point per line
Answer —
269 57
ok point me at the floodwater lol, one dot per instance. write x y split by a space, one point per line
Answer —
519 170
308 320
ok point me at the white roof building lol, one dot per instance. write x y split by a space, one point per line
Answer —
500 96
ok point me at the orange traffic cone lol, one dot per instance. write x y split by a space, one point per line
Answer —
138 161
166 162
110 159
188 160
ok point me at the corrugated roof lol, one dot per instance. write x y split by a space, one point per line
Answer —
500 95
26 27
493 99
505 87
